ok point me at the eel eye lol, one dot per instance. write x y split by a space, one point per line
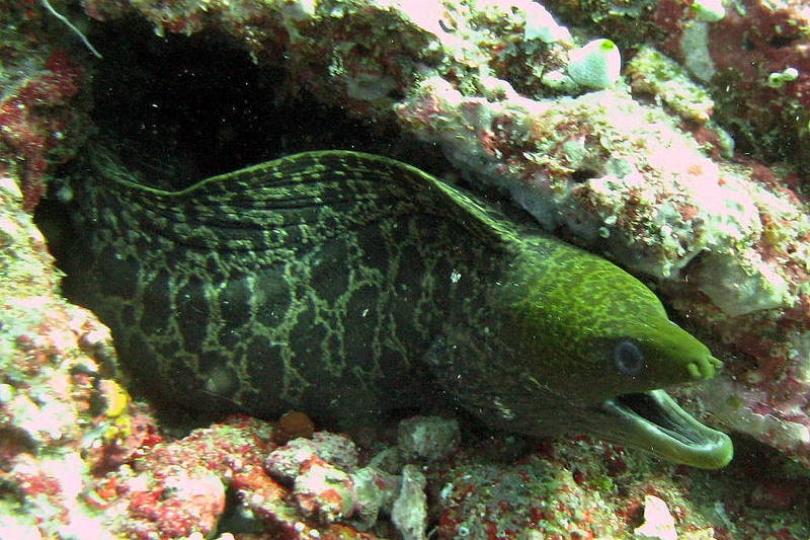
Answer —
628 358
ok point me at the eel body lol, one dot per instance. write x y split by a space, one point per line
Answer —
347 284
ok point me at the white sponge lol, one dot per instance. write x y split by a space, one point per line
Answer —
596 64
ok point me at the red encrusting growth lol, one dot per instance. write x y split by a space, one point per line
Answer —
34 118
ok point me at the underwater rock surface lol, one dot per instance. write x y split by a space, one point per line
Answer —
726 238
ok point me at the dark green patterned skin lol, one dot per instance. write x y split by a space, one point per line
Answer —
346 285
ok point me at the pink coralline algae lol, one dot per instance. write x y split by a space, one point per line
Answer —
327 482
176 488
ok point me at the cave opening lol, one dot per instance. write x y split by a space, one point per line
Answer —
178 109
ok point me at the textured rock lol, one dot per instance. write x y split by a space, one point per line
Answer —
430 438
409 512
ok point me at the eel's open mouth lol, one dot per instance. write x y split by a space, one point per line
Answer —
653 421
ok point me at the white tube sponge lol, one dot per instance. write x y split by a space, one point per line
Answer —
596 64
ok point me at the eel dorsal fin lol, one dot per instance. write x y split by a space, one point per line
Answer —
284 206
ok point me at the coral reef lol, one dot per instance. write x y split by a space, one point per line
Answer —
63 416
35 118
759 49
328 483
751 55
409 512
178 488
612 494
685 175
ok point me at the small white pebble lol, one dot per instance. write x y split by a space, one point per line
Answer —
446 491
658 522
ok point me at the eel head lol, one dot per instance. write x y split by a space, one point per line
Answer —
599 348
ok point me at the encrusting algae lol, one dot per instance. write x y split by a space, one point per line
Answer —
346 285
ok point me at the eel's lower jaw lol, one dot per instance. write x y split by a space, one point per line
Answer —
653 421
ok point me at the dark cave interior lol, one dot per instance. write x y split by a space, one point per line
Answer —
179 109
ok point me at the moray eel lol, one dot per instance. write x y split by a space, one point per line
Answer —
348 284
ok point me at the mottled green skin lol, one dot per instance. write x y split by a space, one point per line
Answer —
347 284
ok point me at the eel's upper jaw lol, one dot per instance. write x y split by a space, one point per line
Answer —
653 421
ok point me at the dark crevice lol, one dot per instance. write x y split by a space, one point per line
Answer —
584 174
179 109
779 41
